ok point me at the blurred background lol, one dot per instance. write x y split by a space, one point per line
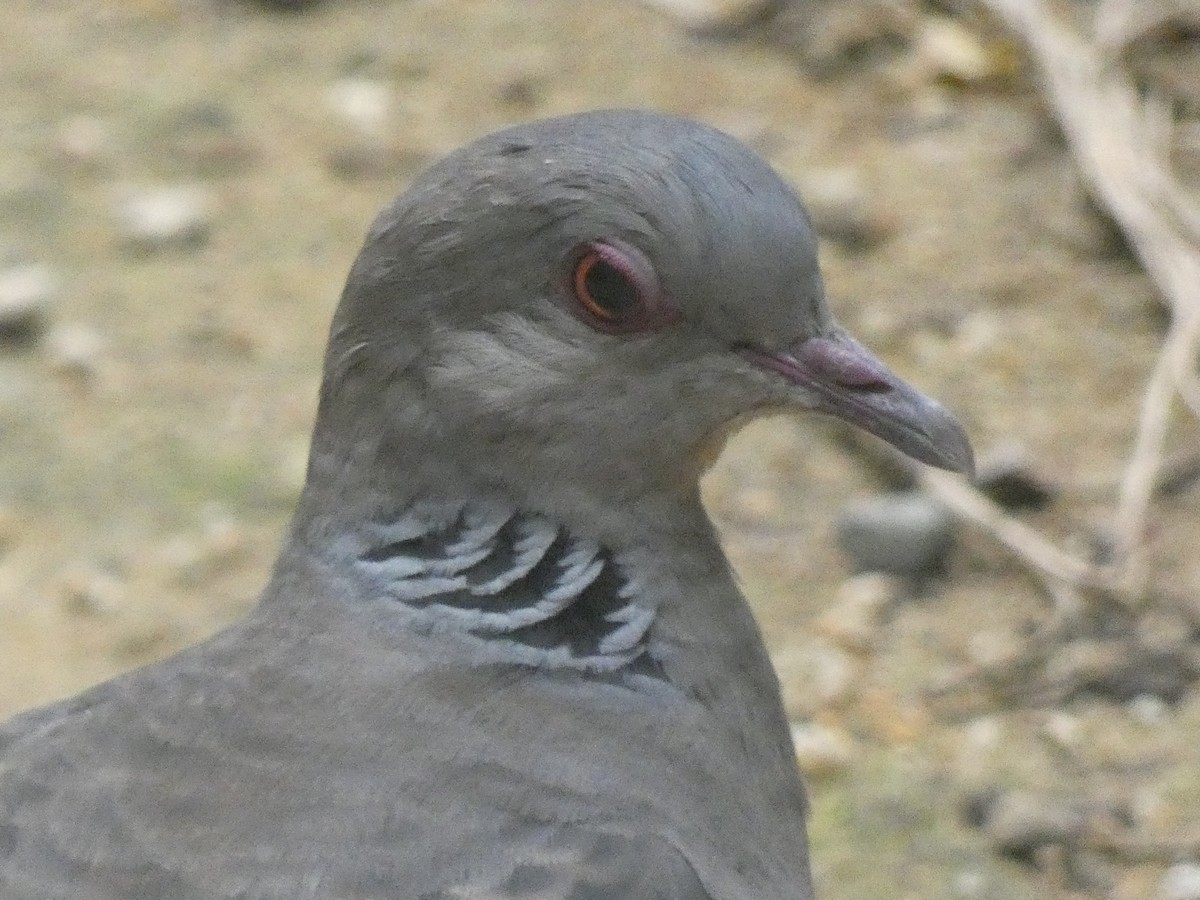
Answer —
184 183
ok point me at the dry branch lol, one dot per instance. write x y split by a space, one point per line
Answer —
1119 141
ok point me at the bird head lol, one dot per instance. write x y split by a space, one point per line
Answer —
585 306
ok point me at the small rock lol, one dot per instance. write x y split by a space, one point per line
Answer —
842 209
980 736
26 294
85 142
362 102
831 38
1020 823
970 884
951 51
977 332
1006 475
906 534
1130 671
75 350
853 621
716 15
1062 731
822 751
1180 882
165 217
1150 710
93 593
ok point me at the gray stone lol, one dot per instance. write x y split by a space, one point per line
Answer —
165 217
363 103
906 533
1180 882
26 294
1020 823
1007 476
948 49
715 15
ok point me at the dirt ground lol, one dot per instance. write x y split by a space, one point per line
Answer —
152 439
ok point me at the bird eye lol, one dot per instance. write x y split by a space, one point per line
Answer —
603 289
617 291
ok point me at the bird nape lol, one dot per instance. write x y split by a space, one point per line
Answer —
501 654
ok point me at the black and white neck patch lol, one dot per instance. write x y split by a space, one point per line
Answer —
533 593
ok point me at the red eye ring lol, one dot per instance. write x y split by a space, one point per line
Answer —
617 291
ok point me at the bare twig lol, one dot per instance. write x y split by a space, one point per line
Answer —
1058 569
1118 140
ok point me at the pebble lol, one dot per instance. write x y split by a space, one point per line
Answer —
1149 710
166 217
715 15
1020 823
905 533
855 616
75 349
822 751
994 646
1180 882
1007 476
363 103
1133 671
833 38
27 292
85 142
978 332
981 735
842 208
969 884
93 592
950 50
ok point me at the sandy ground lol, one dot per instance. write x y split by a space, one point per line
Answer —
147 468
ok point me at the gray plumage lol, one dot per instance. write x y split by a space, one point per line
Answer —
501 654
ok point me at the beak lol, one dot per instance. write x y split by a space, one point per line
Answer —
853 385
